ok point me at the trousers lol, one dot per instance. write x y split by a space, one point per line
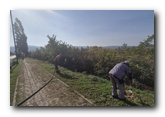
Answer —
56 65
117 82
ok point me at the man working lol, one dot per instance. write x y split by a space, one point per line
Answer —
117 74
57 61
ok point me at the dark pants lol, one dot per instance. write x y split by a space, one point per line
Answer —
56 65
115 81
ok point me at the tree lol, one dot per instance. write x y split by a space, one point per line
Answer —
125 46
20 37
148 42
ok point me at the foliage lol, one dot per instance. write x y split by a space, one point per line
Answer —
98 61
97 89
148 42
20 38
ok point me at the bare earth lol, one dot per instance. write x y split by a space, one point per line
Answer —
32 77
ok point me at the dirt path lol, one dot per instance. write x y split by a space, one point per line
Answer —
32 77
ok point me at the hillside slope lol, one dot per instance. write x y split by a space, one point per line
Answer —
99 89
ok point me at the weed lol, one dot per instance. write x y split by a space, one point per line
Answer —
99 89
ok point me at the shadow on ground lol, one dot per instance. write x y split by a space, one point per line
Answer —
66 76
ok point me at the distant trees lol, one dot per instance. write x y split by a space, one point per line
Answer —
20 37
125 46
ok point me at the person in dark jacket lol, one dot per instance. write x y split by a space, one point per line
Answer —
117 74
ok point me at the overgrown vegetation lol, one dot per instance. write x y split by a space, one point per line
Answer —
97 89
98 61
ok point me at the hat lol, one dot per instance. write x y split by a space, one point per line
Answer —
126 62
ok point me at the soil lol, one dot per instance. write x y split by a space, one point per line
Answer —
56 93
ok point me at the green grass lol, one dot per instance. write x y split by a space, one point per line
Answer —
13 79
97 88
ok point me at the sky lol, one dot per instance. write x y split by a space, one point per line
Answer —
86 27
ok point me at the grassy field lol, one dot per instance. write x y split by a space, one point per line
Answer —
13 79
98 89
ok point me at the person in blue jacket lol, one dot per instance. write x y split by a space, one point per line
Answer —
117 74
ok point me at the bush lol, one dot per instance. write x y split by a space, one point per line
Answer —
98 61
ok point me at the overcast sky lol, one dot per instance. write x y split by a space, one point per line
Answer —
86 27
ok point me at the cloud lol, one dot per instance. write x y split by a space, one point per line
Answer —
54 14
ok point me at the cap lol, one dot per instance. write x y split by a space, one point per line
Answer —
126 62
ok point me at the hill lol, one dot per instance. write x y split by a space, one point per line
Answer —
30 48
109 47
33 47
